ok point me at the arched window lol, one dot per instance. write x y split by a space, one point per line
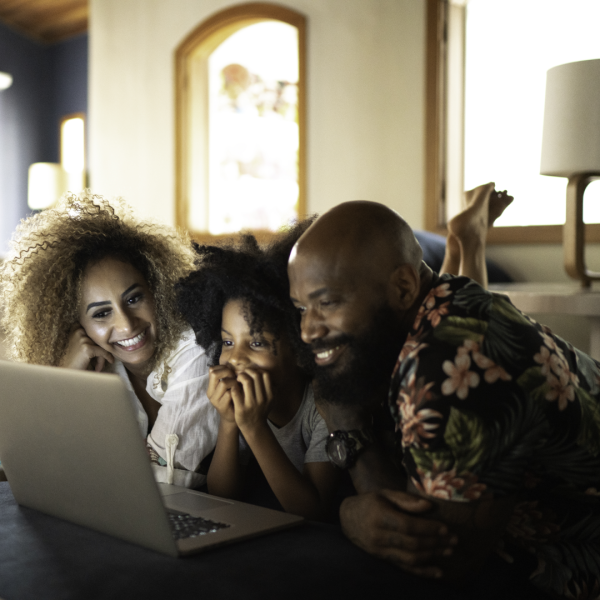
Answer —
240 158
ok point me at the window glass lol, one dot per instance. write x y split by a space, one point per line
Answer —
510 44
253 129
72 151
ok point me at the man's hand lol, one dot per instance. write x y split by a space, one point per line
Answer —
389 524
81 350
220 383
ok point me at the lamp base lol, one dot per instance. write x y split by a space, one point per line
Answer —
574 230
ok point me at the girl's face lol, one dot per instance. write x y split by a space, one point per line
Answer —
241 350
117 312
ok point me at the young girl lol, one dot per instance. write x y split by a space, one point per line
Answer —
238 305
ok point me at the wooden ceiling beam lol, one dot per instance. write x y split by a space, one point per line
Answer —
34 8
12 5
64 19
46 20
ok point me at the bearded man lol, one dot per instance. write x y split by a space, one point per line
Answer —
494 443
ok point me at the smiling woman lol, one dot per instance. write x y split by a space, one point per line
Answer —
88 287
117 313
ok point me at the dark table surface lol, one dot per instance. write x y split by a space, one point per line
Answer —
42 557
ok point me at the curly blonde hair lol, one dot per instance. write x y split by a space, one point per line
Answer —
40 280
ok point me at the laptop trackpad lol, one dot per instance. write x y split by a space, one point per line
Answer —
186 502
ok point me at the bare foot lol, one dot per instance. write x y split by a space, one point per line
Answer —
499 201
472 223
467 232
484 206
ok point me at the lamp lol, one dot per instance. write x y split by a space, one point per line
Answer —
47 182
5 80
571 148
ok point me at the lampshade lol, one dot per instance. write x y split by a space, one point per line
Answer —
571 138
47 183
5 80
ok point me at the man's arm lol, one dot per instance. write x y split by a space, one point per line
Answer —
478 526
394 525
383 518
421 534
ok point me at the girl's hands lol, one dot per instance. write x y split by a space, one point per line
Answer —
220 382
244 399
81 350
252 398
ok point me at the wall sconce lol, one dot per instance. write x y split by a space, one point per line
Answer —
571 148
5 80
47 182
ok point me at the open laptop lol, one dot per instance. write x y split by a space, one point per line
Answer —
71 447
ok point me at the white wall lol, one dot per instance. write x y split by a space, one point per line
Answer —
366 68
365 87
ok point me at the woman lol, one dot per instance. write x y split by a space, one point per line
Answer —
89 287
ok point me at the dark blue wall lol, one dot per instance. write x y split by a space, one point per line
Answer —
69 74
48 83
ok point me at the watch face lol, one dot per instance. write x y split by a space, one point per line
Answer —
341 449
338 453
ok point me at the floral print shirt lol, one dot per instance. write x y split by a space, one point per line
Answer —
489 403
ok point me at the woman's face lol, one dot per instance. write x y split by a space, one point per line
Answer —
241 350
117 312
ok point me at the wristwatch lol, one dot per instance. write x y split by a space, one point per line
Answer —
344 447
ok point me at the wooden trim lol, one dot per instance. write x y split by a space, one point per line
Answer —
435 105
532 234
181 137
302 124
211 33
538 234
541 234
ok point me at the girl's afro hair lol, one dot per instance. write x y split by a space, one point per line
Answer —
245 271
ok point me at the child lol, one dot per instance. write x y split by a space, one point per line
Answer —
238 305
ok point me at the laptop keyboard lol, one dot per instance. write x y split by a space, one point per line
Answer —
186 526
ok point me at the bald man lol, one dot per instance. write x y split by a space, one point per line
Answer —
494 439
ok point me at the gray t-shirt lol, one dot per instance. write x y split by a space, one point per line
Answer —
303 438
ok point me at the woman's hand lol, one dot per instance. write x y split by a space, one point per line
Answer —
81 350
220 383
252 398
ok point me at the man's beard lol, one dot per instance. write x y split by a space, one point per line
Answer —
370 359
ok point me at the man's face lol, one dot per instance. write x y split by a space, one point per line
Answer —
347 322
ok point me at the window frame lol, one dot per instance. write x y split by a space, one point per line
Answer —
215 30
436 132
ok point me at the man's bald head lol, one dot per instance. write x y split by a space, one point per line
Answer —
364 234
356 276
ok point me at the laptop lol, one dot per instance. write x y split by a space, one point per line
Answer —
71 447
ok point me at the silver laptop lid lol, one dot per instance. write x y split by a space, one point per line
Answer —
71 447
